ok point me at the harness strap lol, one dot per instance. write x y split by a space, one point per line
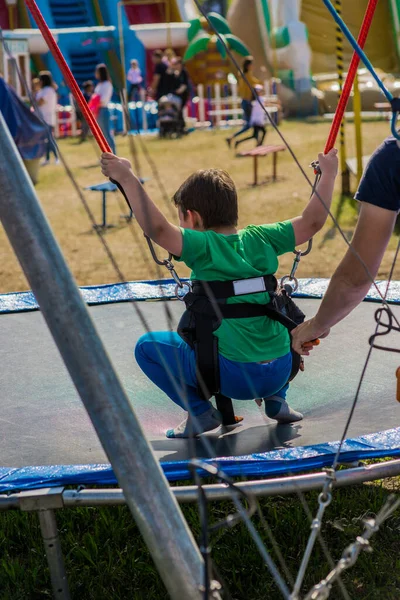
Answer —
206 350
240 310
228 289
208 315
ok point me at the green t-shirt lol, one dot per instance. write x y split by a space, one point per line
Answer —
252 252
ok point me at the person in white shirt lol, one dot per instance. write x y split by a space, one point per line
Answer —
258 119
135 79
105 90
46 99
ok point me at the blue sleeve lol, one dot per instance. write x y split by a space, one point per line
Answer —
380 183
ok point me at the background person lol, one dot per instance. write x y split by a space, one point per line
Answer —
104 89
46 99
36 86
182 89
379 194
245 93
158 86
87 91
258 119
135 79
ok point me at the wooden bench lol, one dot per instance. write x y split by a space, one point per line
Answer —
255 153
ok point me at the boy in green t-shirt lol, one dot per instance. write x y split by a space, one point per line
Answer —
254 353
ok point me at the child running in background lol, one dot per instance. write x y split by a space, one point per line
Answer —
258 119
135 79
254 353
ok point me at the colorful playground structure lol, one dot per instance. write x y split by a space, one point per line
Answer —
93 31
296 40
293 39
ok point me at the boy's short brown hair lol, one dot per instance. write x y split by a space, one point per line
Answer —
212 194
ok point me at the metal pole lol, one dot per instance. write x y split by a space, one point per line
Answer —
267 487
342 137
55 559
145 488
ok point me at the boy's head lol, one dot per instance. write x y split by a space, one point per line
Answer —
259 89
134 63
207 200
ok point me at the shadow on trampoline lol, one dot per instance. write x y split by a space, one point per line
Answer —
236 441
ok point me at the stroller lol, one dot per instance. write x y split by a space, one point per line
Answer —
169 117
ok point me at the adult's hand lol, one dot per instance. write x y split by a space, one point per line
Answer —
304 335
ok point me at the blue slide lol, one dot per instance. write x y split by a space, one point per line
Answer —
133 46
82 41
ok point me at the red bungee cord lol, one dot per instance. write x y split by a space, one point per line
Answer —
365 27
69 78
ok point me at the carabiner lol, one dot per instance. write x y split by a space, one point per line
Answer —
292 281
153 253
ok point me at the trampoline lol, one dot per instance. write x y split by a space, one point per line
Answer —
47 437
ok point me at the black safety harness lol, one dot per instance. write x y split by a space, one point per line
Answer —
206 307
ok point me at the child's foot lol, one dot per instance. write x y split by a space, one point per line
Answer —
278 409
228 141
205 422
44 163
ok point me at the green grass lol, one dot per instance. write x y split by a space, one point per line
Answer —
175 160
106 557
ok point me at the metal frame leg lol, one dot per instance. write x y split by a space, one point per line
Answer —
274 165
104 224
255 170
55 559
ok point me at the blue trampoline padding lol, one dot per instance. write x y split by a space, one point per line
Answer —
165 289
276 462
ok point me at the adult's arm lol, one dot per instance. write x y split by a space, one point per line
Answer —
351 280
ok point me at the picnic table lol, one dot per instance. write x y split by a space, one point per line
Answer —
260 151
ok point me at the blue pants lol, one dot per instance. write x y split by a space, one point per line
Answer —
104 121
170 363
246 106
51 146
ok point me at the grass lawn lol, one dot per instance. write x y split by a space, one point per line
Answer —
105 555
175 160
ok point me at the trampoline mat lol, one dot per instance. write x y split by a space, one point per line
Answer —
43 421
